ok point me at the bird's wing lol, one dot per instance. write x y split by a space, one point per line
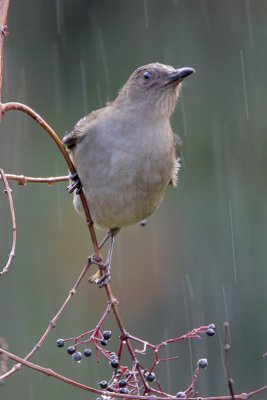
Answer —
177 143
79 130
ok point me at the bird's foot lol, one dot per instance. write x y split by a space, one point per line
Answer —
102 277
99 278
76 184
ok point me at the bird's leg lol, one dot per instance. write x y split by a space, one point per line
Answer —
103 279
76 184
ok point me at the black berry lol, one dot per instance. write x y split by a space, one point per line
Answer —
60 343
104 342
122 383
114 363
118 372
103 384
71 350
150 376
210 332
181 395
107 335
202 363
124 390
77 356
143 222
212 326
87 352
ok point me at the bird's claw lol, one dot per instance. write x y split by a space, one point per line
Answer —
98 278
104 279
75 185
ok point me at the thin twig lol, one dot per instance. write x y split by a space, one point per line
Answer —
23 180
8 191
4 4
190 390
3 358
36 117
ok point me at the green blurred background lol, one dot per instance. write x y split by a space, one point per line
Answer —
202 256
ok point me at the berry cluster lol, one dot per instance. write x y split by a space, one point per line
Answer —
125 381
87 352
134 379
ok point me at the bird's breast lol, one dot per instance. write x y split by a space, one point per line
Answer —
125 174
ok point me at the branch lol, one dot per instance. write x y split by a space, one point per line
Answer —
4 4
36 117
51 373
23 180
8 191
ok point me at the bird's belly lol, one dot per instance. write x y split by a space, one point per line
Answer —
127 184
123 199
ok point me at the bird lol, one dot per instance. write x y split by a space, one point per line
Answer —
125 152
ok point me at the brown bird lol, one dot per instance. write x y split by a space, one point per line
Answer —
125 153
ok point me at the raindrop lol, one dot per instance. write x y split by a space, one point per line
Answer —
146 14
249 22
103 56
58 14
60 22
183 116
167 365
222 349
59 212
226 309
244 83
56 77
22 87
187 324
99 96
23 98
84 87
189 286
232 239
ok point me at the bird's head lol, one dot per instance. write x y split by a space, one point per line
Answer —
155 87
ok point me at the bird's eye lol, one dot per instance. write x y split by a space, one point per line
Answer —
147 75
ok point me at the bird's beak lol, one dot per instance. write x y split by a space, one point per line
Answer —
180 74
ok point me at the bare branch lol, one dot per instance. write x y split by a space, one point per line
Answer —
4 4
23 180
36 117
8 191
29 111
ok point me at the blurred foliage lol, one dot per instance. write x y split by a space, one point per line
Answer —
202 257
